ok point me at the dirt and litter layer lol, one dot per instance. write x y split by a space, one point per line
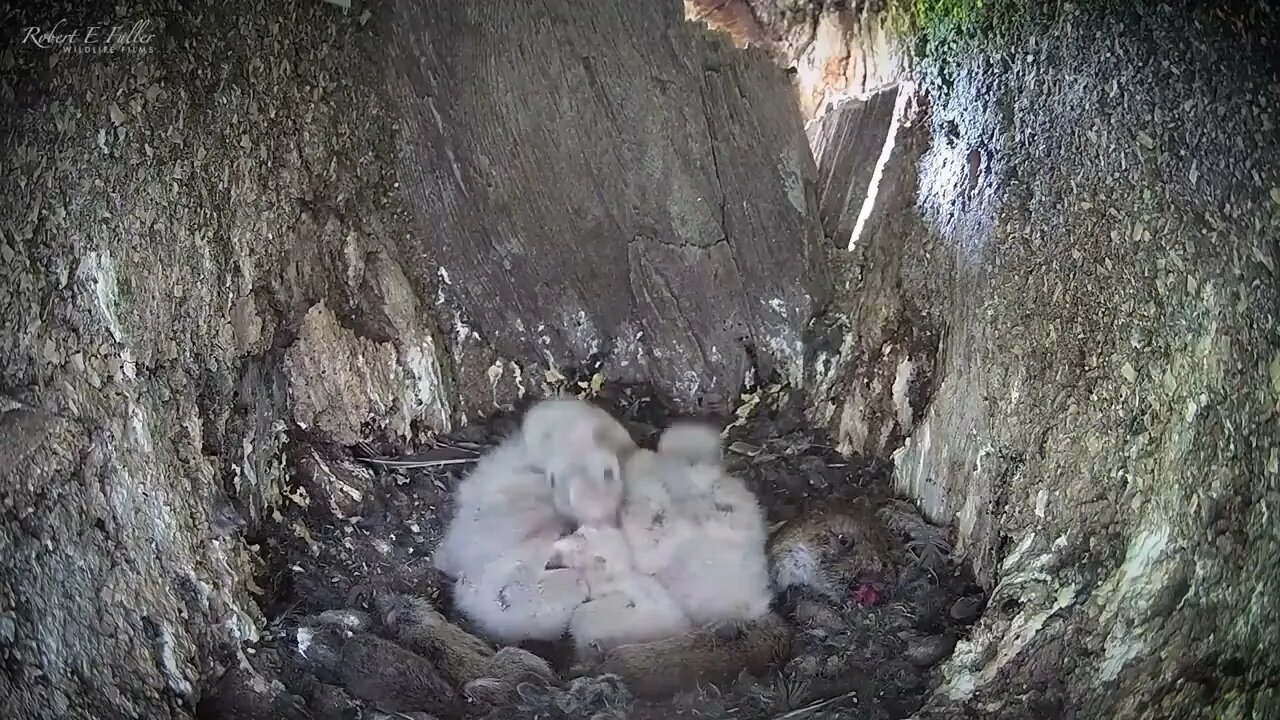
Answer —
360 524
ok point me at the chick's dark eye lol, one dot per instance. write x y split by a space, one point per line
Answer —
845 541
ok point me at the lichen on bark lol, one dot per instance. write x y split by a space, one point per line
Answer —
1097 412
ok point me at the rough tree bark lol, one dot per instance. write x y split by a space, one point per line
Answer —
216 238
1064 320
848 140
614 182
197 235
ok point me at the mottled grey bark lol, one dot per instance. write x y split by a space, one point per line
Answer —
1064 318
208 247
885 371
847 142
198 255
614 182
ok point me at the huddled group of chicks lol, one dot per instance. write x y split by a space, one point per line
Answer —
571 527
660 568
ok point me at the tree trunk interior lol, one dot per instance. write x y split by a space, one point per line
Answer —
1016 264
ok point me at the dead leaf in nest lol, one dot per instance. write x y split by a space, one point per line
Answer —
300 531
741 448
1275 195
299 497
1146 140
1128 372
743 411
793 446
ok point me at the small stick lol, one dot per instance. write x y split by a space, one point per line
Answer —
816 706
410 464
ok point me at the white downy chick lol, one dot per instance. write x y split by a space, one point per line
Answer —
699 530
626 606
500 539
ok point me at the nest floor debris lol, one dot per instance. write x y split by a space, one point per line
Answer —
361 523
